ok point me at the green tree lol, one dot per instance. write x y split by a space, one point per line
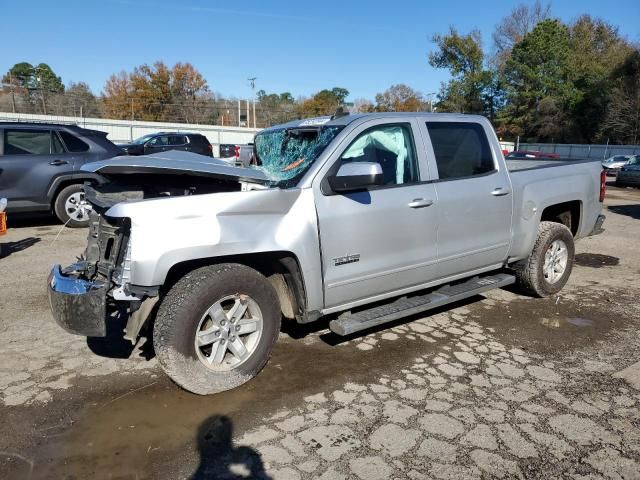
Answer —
472 88
275 108
513 27
34 84
596 50
622 120
540 88
325 102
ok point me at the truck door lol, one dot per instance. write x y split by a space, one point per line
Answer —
383 239
474 197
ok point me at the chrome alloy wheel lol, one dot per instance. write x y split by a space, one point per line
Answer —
555 261
229 332
77 207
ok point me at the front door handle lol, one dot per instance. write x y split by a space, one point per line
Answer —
420 203
500 192
58 162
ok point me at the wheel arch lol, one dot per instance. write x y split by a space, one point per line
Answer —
65 180
281 268
567 213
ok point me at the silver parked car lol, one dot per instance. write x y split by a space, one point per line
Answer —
612 164
629 174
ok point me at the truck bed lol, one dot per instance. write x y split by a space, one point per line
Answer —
517 165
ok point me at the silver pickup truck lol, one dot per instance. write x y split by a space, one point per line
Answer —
361 218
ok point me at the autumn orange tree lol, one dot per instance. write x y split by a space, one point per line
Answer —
158 93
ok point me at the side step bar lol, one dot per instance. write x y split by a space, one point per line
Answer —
349 323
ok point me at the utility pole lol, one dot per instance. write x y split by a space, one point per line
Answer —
44 102
13 98
252 82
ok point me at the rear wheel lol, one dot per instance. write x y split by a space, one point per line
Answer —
71 207
548 267
216 327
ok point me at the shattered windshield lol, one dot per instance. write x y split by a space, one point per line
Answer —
286 154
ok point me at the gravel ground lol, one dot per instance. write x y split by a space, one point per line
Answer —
500 386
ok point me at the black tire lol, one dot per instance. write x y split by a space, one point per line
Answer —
529 272
60 210
181 311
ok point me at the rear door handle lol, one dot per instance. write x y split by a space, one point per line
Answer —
500 192
58 162
420 203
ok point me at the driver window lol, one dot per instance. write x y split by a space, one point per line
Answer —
158 141
391 146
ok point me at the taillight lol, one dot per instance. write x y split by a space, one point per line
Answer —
236 151
603 184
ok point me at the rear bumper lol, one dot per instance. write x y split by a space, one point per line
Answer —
597 228
77 305
627 179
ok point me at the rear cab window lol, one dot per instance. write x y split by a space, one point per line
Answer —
461 149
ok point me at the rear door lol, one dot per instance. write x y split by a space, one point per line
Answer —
30 160
384 239
178 142
474 197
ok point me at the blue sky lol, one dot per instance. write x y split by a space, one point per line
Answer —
297 46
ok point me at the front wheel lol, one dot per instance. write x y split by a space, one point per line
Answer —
549 265
216 327
71 207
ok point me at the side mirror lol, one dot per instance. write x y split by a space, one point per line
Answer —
353 176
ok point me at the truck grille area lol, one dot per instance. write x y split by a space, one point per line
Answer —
106 245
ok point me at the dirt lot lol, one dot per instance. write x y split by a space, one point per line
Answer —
499 386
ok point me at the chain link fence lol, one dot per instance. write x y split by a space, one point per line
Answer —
207 111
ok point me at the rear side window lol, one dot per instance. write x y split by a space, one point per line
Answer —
177 139
198 140
461 149
73 143
27 142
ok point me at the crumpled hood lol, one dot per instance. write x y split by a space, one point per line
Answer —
176 162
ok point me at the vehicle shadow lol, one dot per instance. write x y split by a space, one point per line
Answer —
13 247
632 211
20 220
114 345
220 459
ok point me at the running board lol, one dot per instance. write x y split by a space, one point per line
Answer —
349 323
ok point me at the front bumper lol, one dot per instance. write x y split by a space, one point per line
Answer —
77 305
597 228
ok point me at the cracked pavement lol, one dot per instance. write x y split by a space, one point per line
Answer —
500 386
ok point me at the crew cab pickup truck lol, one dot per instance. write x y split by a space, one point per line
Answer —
361 218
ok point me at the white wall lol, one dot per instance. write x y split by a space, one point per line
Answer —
127 130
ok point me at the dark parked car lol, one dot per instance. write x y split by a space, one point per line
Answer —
524 154
40 167
163 141
629 174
